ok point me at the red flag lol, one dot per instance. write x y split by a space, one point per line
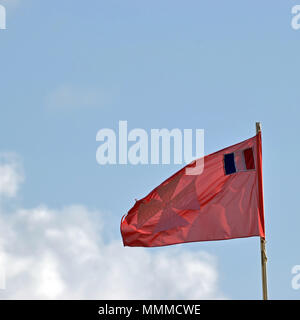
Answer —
225 201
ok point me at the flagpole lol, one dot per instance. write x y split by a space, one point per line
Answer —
263 250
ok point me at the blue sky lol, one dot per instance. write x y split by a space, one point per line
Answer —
217 65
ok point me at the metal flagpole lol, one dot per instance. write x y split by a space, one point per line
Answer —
263 249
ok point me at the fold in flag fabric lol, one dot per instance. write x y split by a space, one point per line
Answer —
225 201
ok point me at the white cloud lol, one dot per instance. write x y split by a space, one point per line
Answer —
64 254
70 97
11 175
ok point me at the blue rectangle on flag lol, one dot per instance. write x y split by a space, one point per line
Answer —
229 164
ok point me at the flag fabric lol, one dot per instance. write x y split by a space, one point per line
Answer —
225 201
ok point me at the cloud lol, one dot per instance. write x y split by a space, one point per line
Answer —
11 175
65 254
70 97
